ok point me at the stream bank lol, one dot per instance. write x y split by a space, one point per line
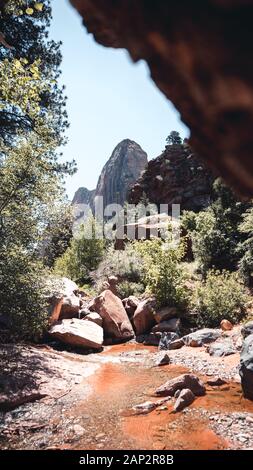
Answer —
85 401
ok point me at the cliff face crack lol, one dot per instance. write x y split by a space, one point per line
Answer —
199 54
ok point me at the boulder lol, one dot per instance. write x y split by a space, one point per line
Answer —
173 325
151 339
78 333
246 367
226 325
165 313
167 339
201 337
143 319
176 344
116 323
247 329
185 398
162 359
94 317
130 304
189 381
216 382
222 348
65 301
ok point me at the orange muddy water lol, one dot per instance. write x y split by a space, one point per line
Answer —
118 387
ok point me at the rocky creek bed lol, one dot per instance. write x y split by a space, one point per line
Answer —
53 399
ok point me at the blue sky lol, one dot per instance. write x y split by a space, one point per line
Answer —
109 99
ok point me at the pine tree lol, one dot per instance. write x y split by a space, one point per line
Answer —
33 120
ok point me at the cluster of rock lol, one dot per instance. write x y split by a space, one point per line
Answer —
79 321
176 177
181 391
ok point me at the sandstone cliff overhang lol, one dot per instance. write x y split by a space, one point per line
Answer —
200 56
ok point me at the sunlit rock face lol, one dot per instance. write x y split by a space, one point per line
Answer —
121 171
83 196
175 177
200 56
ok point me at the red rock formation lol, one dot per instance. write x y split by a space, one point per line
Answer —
176 177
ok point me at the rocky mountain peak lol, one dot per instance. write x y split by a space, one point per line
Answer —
124 167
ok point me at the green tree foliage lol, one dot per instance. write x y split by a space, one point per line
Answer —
246 247
126 265
215 232
163 273
174 138
33 122
58 233
222 295
31 98
83 255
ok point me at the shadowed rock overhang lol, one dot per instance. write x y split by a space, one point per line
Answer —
200 57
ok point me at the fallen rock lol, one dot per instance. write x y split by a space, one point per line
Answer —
201 337
185 398
143 318
179 383
216 382
247 329
144 408
166 339
162 360
78 333
152 339
148 406
165 313
226 325
130 304
222 348
64 300
116 323
94 317
246 367
177 344
166 326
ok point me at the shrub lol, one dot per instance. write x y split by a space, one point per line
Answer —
246 248
126 265
222 295
215 232
83 255
164 276
23 294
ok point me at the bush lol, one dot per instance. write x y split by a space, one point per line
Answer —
221 296
84 254
215 232
246 248
126 265
23 294
164 276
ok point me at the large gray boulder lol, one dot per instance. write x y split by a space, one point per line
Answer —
78 333
246 367
247 329
166 339
222 348
201 337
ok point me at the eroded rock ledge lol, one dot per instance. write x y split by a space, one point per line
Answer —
200 56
